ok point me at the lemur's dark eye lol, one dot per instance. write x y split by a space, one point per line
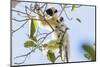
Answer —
61 19
49 12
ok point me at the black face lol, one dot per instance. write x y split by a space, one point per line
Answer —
51 12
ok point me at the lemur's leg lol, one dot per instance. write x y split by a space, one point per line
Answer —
61 33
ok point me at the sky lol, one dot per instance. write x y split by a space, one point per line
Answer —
79 33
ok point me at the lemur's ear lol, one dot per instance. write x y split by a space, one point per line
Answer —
49 12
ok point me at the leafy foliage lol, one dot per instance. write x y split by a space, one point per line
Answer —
90 52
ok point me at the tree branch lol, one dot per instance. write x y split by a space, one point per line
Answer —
19 11
78 6
25 55
45 9
19 20
20 27
63 9
42 5
44 37
57 57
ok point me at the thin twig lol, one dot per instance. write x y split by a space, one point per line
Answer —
45 37
26 55
42 34
23 20
20 27
22 61
68 6
18 11
45 9
57 57
63 35
31 6
28 15
61 11
65 13
19 20
42 5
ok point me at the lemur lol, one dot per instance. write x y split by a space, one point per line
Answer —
60 30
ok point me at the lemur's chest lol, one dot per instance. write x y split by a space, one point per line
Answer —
52 21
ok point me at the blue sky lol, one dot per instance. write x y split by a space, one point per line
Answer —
78 34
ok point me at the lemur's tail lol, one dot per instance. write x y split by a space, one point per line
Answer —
66 48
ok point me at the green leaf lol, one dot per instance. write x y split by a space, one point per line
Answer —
88 56
78 20
32 27
90 51
73 7
29 44
51 56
